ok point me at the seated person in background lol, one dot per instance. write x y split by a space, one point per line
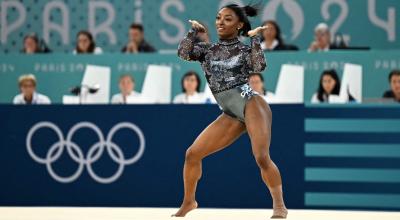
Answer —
256 81
28 96
191 90
32 45
329 84
127 95
322 40
137 43
85 44
273 38
394 92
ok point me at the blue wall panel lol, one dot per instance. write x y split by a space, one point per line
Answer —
311 175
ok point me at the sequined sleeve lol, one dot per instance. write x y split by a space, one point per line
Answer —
191 51
256 60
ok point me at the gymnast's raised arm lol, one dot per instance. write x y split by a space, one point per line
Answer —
190 50
256 60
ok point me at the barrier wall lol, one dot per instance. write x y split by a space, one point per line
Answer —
343 157
57 73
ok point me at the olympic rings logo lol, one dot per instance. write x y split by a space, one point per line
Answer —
93 154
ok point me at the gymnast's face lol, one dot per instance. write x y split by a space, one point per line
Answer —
227 24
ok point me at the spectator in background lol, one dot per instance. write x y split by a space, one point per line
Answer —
32 45
322 41
85 44
394 92
28 96
127 94
272 38
137 43
329 84
256 81
191 90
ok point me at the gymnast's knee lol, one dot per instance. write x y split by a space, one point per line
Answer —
264 162
192 155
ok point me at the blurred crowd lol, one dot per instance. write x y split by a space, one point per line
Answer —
272 41
86 44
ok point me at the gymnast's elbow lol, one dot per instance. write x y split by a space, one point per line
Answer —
183 55
259 67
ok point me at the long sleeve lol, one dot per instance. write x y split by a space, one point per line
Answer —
256 60
191 51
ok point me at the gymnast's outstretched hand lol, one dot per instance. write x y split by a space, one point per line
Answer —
197 26
257 30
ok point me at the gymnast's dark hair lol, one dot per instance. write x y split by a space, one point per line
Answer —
243 13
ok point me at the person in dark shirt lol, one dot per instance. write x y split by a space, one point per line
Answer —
137 43
85 44
272 38
394 92
33 45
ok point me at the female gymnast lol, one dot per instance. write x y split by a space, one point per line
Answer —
227 65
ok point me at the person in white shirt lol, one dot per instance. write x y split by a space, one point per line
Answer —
329 88
322 41
28 96
127 95
190 90
85 44
329 84
256 81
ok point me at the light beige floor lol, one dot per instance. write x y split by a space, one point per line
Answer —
165 213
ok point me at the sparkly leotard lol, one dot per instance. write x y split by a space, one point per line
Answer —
227 65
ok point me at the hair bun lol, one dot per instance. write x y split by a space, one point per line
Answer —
250 10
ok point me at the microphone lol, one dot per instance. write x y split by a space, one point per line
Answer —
95 88
91 89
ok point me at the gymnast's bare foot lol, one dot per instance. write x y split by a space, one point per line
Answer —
185 208
280 213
